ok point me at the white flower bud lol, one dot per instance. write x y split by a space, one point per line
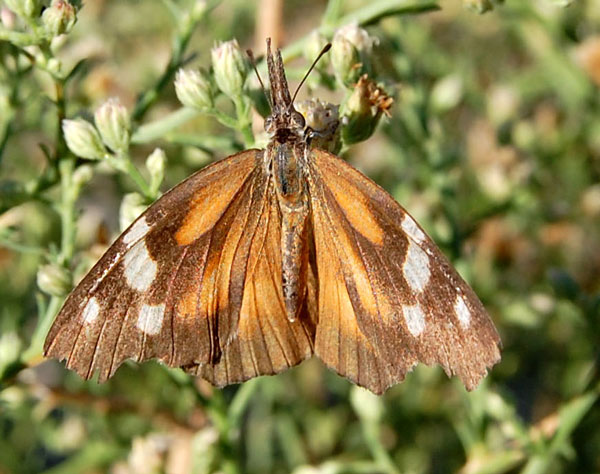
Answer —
345 60
8 18
83 139
351 51
447 93
113 123
156 164
132 206
314 45
193 89
59 18
23 8
54 279
359 37
81 176
367 405
230 68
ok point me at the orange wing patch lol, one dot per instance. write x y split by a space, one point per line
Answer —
355 207
209 203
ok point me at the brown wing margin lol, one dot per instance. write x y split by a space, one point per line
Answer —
388 298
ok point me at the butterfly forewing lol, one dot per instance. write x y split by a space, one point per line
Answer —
405 299
159 290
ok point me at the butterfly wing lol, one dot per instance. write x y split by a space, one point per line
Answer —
387 297
266 342
171 286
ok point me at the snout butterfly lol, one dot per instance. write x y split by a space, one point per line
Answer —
261 260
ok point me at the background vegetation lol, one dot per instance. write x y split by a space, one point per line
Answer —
493 144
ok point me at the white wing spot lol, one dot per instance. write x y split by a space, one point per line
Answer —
462 312
91 311
416 267
137 231
140 269
415 319
150 319
410 227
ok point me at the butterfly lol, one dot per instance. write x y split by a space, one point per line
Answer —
266 258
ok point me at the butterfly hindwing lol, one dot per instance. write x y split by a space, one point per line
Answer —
265 342
408 304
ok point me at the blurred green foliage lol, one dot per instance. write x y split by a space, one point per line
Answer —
493 144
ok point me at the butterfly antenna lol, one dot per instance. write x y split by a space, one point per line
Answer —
253 62
326 48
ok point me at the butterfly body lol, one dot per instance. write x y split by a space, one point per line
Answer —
267 257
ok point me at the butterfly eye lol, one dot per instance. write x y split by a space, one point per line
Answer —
297 120
269 125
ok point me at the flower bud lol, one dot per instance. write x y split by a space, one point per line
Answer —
54 280
230 68
359 37
323 119
10 350
351 52
313 46
81 176
58 18
83 139
478 6
199 9
132 206
8 18
23 8
363 109
193 89
156 163
345 60
113 123
447 93
368 406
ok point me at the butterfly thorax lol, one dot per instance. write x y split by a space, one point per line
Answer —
285 158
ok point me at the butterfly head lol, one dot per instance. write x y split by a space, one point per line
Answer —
285 122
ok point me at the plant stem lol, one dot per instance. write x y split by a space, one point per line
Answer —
138 179
379 453
159 128
122 162
67 210
180 42
244 122
366 15
67 249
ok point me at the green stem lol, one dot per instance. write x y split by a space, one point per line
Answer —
18 38
217 410
67 210
33 353
366 15
180 42
244 121
379 453
127 165
122 162
67 249
17 247
61 145
240 403
159 128
224 119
